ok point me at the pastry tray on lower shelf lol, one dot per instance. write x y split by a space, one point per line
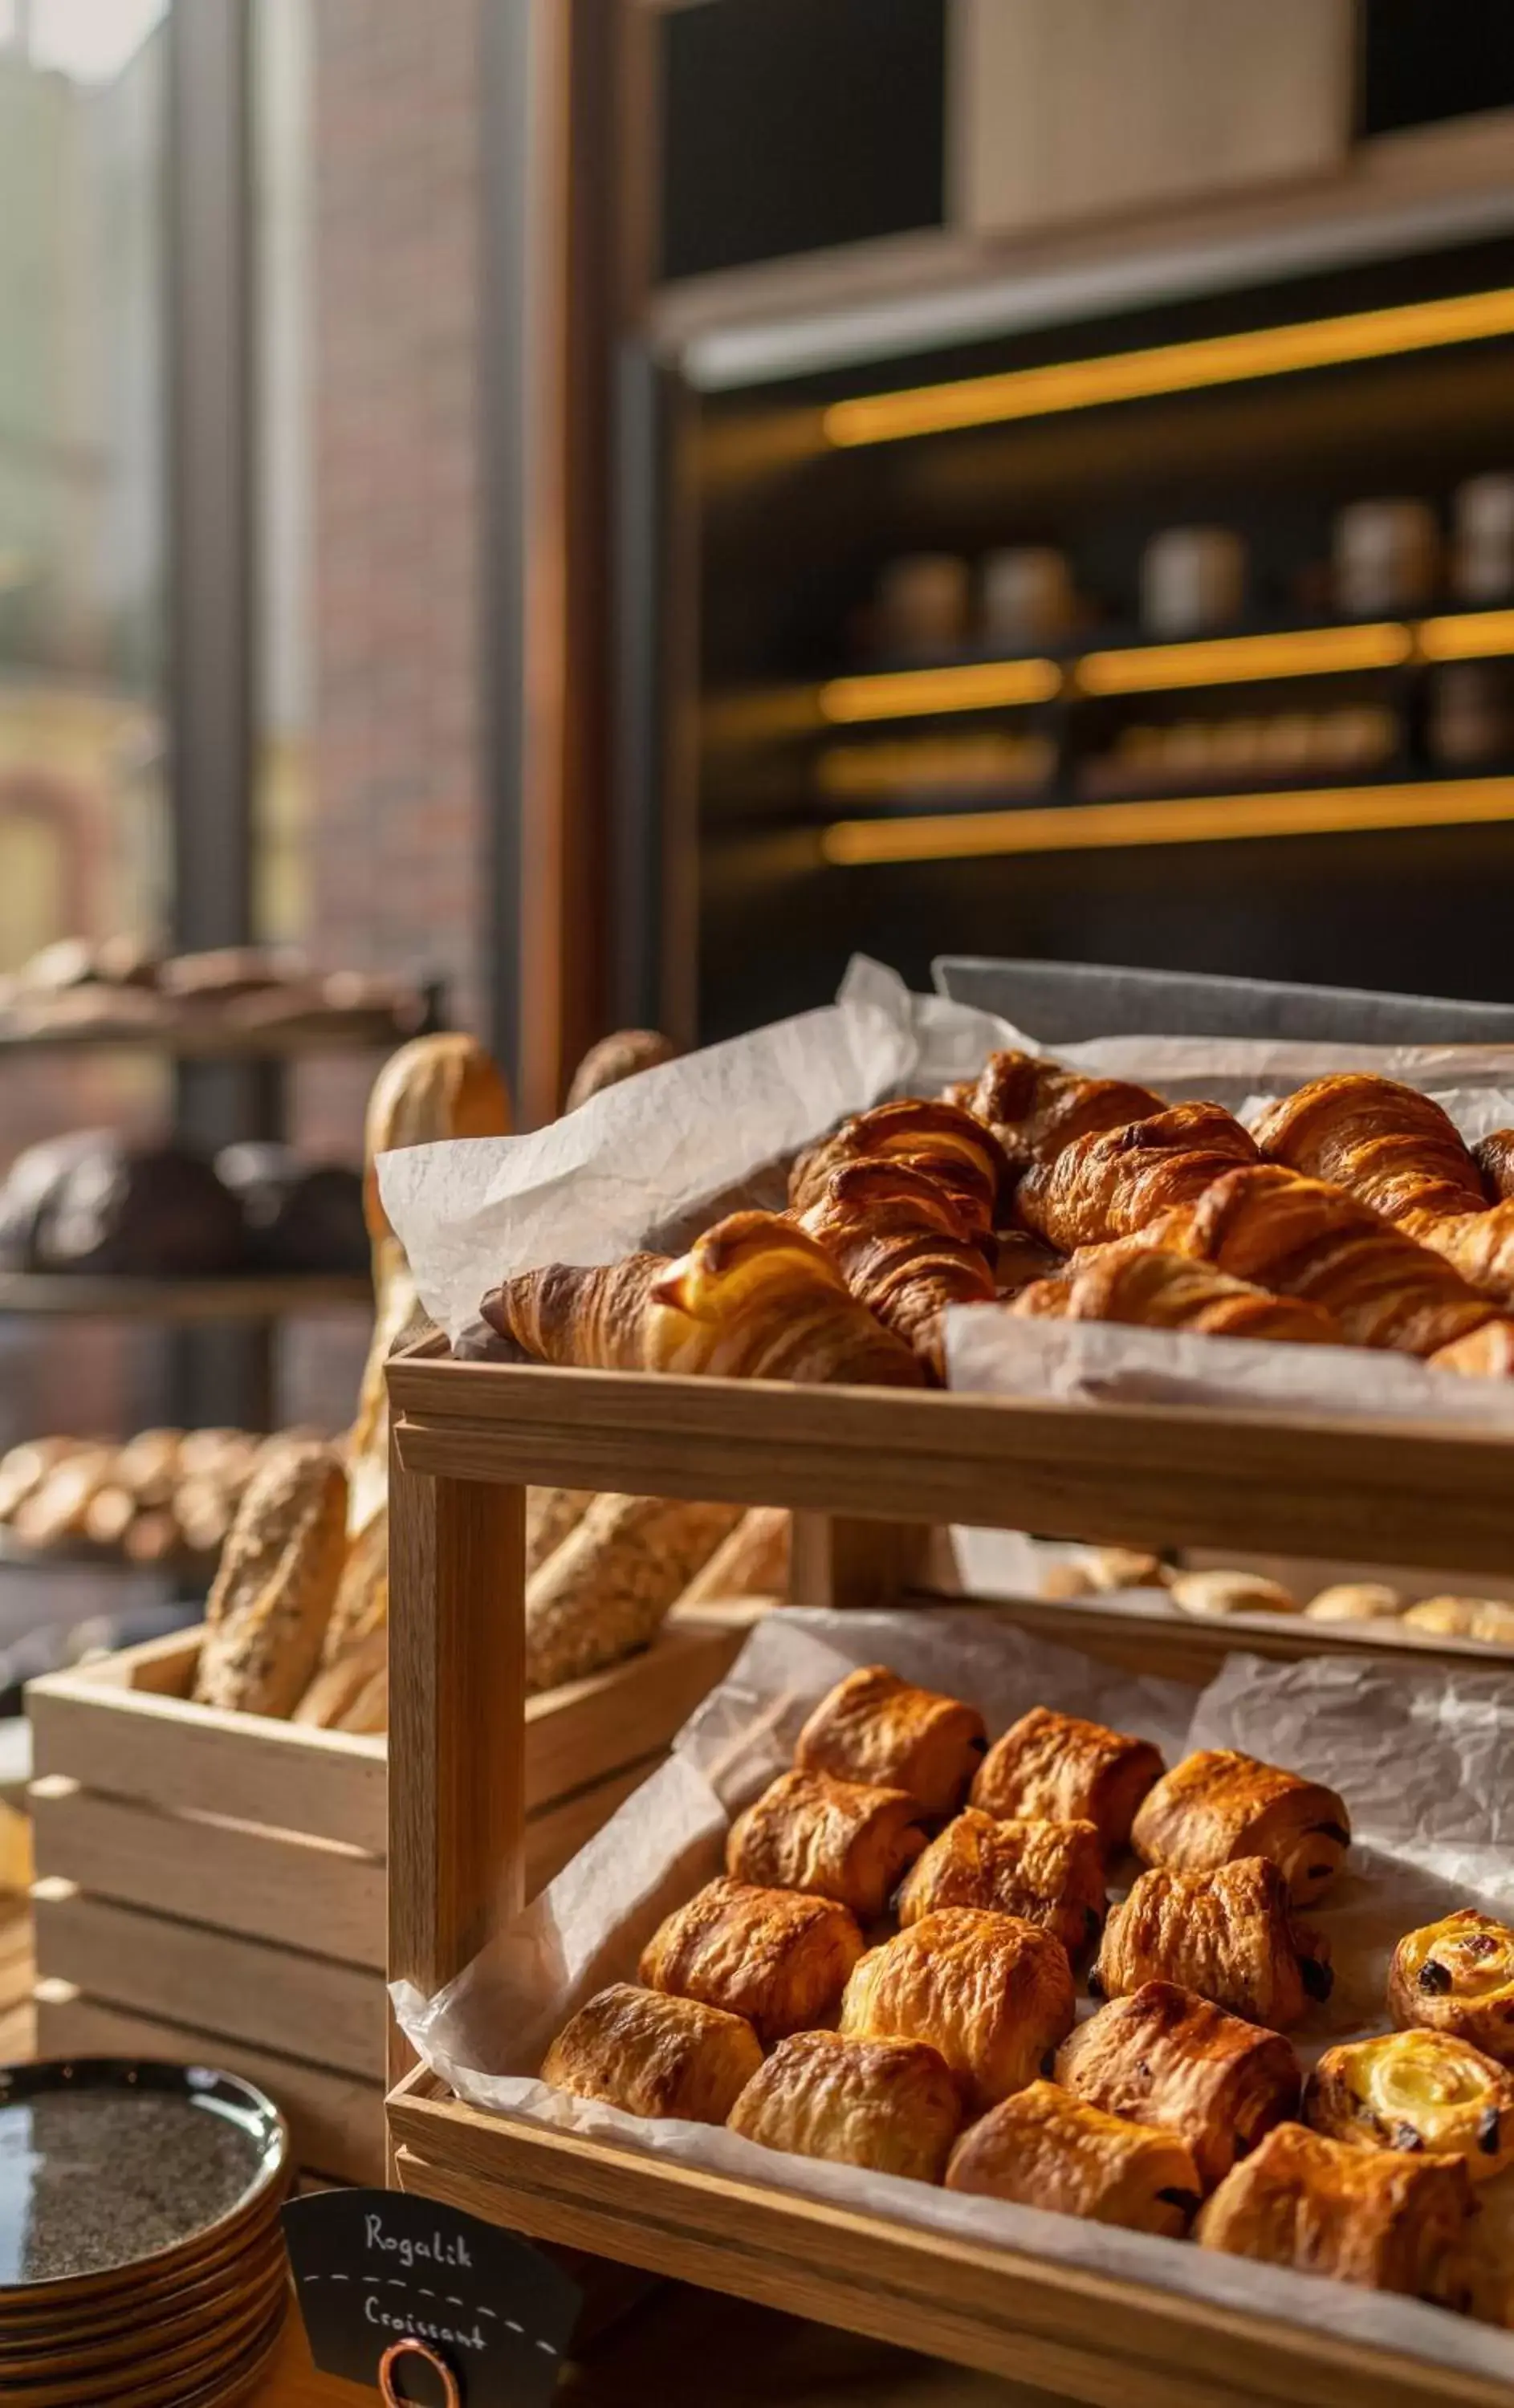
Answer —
865 1468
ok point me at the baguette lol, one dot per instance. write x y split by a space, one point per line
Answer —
550 1515
605 1591
277 1583
362 1601
339 1685
752 1562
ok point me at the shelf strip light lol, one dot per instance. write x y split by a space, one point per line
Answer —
1473 634
1228 660
1198 819
1170 368
908 694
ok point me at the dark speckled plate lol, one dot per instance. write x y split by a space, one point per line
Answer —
111 2171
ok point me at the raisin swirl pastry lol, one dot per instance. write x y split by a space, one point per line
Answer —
890 2105
1367 2217
655 2056
874 1727
1043 2148
830 1838
1219 1804
777 1958
1416 2090
1167 2056
1070 1771
1458 1976
1049 1874
1226 1934
990 1994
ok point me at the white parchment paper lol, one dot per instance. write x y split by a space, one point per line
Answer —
1424 1758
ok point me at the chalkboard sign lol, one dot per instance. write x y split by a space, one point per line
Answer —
428 2304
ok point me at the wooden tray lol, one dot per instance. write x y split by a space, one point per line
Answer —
875 1465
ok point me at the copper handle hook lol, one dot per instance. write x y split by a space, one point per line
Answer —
411 2347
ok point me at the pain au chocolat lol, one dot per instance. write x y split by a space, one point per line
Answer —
1218 1805
1045 2148
653 2055
874 1727
891 2105
833 1839
1164 2055
990 1994
1050 1873
1228 1934
1069 1771
773 1956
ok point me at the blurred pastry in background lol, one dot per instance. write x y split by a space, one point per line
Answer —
923 604
1482 540
1386 556
1025 597
1192 579
1356 1601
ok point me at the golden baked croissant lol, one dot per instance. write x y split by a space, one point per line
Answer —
1049 1874
1306 1239
831 1839
990 1994
1416 2090
904 1247
1226 1934
1164 2056
653 2055
1457 1976
1157 1290
621 1055
1380 2220
874 1727
754 1299
1045 2148
1068 1770
777 1958
950 1145
1396 1150
1115 1183
1494 1158
890 2105
1035 1108
1219 1804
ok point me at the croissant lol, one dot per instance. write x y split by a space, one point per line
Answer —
990 1994
1421 2090
1045 2148
940 1139
1115 1183
1219 1804
1164 2055
1494 1158
754 1299
1049 1874
1035 1108
1457 1976
655 2056
890 2105
1396 1150
904 1247
1375 2218
874 1727
1068 1770
1306 1239
777 1958
1226 1934
830 1838
1157 1290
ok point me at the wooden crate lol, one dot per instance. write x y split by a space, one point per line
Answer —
211 1885
466 1436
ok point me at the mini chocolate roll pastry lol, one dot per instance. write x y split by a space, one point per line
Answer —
1457 1976
1166 2056
1069 1771
655 2056
831 1839
890 2105
1045 2148
1218 1805
1367 2217
874 1727
1049 1874
991 1994
773 1956
1415 2089
1226 1934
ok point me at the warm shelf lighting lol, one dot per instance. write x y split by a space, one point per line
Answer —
908 694
1473 634
1198 819
1230 660
1170 368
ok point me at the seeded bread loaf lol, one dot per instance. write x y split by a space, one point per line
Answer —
277 1583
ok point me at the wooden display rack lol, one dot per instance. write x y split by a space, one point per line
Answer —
467 1437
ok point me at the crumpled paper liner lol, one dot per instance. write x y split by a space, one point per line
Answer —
1423 1755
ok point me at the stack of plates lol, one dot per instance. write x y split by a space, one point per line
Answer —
141 2258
